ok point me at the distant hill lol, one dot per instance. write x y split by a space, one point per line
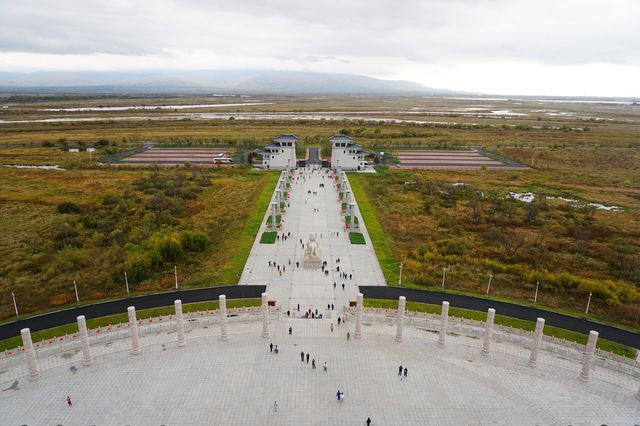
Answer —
230 81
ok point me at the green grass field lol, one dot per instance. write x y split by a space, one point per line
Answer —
268 237
356 238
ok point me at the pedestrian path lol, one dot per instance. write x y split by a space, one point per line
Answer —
312 208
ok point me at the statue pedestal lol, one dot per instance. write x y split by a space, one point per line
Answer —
312 263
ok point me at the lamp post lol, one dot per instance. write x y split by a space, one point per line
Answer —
126 282
535 298
489 286
400 278
586 311
175 274
444 274
75 287
15 306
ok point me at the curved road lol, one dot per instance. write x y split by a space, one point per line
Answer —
528 313
112 307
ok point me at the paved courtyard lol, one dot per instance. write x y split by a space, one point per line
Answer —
238 381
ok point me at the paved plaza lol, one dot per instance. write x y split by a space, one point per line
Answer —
240 381
313 209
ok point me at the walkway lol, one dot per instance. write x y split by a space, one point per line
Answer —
312 209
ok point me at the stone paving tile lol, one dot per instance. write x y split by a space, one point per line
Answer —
236 382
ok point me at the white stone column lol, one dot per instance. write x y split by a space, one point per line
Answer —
224 333
274 212
87 357
278 197
444 317
265 315
402 301
352 209
347 197
179 322
358 333
535 344
133 331
488 331
587 358
30 354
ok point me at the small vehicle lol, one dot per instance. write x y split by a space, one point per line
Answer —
222 159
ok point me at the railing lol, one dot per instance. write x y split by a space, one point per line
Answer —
502 333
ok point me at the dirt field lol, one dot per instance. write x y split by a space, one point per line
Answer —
439 159
174 156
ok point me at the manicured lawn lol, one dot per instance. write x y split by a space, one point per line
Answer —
572 336
270 219
388 262
347 219
268 237
122 318
356 238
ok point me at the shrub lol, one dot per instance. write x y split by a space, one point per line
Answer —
194 241
268 237
68 207
170 249
356 238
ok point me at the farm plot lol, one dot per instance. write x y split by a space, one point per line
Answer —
175 156
438 159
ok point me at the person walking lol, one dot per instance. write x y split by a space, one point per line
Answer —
290 331
405 372
275 407
342 286
325 366
298 307
276 350
307 357
302 356
334 284
69 401
400 370
332 327
348 335
270 347
339 320
368 422
313 363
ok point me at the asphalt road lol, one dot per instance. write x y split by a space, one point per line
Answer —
555 319
314 155
120 306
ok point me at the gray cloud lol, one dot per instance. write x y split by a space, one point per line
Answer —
431 32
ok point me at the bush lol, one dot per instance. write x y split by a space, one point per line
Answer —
170 249
68 207
194 241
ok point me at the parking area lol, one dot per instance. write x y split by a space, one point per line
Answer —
440 159
174 156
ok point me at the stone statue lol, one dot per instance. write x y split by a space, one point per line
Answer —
312 253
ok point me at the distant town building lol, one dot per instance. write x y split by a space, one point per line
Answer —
346 154
279 153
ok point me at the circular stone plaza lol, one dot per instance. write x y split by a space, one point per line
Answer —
286 361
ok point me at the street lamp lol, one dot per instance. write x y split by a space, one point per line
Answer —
400 278
75 287
586 311
489 286
175 273
535 298
444 274
15 306
126 282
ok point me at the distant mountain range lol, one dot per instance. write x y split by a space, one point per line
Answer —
227 81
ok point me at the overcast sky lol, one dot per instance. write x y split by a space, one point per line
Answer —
538 47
